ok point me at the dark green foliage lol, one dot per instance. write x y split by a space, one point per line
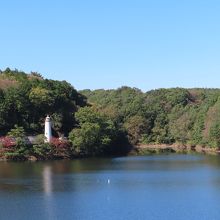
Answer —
29 98
96 133
43 151
21 148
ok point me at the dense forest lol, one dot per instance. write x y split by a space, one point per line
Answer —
101 122
163 116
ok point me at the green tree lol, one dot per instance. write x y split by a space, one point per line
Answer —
21 148
17 132
95 134
214 135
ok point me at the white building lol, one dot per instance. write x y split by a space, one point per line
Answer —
48 129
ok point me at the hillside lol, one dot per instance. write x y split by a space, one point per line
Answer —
103 121
25 100
186 116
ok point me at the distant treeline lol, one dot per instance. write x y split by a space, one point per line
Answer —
109 121
163 116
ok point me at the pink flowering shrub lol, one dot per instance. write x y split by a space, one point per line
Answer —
7 145
61 148
7 142
10 148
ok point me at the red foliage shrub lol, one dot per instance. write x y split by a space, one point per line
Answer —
61 148
7 142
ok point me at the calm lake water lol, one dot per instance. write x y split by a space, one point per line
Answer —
150 187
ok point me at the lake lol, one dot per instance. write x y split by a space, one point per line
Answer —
146 187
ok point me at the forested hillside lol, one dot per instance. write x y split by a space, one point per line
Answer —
102 121
186 116
25 100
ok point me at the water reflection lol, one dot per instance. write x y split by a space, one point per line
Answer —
77 175
47 180
151 187
48 192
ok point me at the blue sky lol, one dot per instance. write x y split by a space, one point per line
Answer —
106 44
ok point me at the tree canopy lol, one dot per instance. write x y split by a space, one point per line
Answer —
105 121
30 97
177 115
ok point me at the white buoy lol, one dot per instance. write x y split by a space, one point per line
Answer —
109 181
48 130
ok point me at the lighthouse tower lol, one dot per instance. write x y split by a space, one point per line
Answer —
48 130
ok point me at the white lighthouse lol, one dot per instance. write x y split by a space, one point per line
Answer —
48 130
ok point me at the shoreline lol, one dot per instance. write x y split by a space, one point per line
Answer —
173 148
137 150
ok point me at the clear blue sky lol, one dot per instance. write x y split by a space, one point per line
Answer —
109 43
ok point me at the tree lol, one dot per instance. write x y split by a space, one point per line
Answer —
214 134
95 133
21 148
17 132
57 119
136 126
